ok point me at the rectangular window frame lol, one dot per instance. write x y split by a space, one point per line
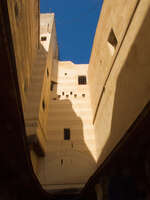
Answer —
67 135
82 80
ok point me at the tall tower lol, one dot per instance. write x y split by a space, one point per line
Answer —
36 109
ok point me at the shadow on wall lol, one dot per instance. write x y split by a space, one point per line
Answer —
68 159
132 93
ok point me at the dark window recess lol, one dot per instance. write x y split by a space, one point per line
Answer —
63 93
52 85
82 80
70 93
66 133
75 95
65 74
83 95
47 73
67 96
43 38
61 162
43 105
112 39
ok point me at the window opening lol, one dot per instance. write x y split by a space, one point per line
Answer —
82 80
43 105
61 162
66 133
47 73
112 42
43 38
52 85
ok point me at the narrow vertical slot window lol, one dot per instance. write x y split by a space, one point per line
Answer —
66 133
112 42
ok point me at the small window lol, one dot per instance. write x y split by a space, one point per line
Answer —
59 96
61 161
65 74
83 95
52 85
67 96
43 38
82 80
47 73
54 99
43 105
75 95
66 133
112 42
63 93
70 93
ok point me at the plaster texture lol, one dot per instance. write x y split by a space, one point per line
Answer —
98 113
25 35
68 162
119 95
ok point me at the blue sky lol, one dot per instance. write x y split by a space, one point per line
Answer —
76 22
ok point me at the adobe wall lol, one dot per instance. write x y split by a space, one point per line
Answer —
36 109
50 45
115 15
73 160
127 87
25 34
